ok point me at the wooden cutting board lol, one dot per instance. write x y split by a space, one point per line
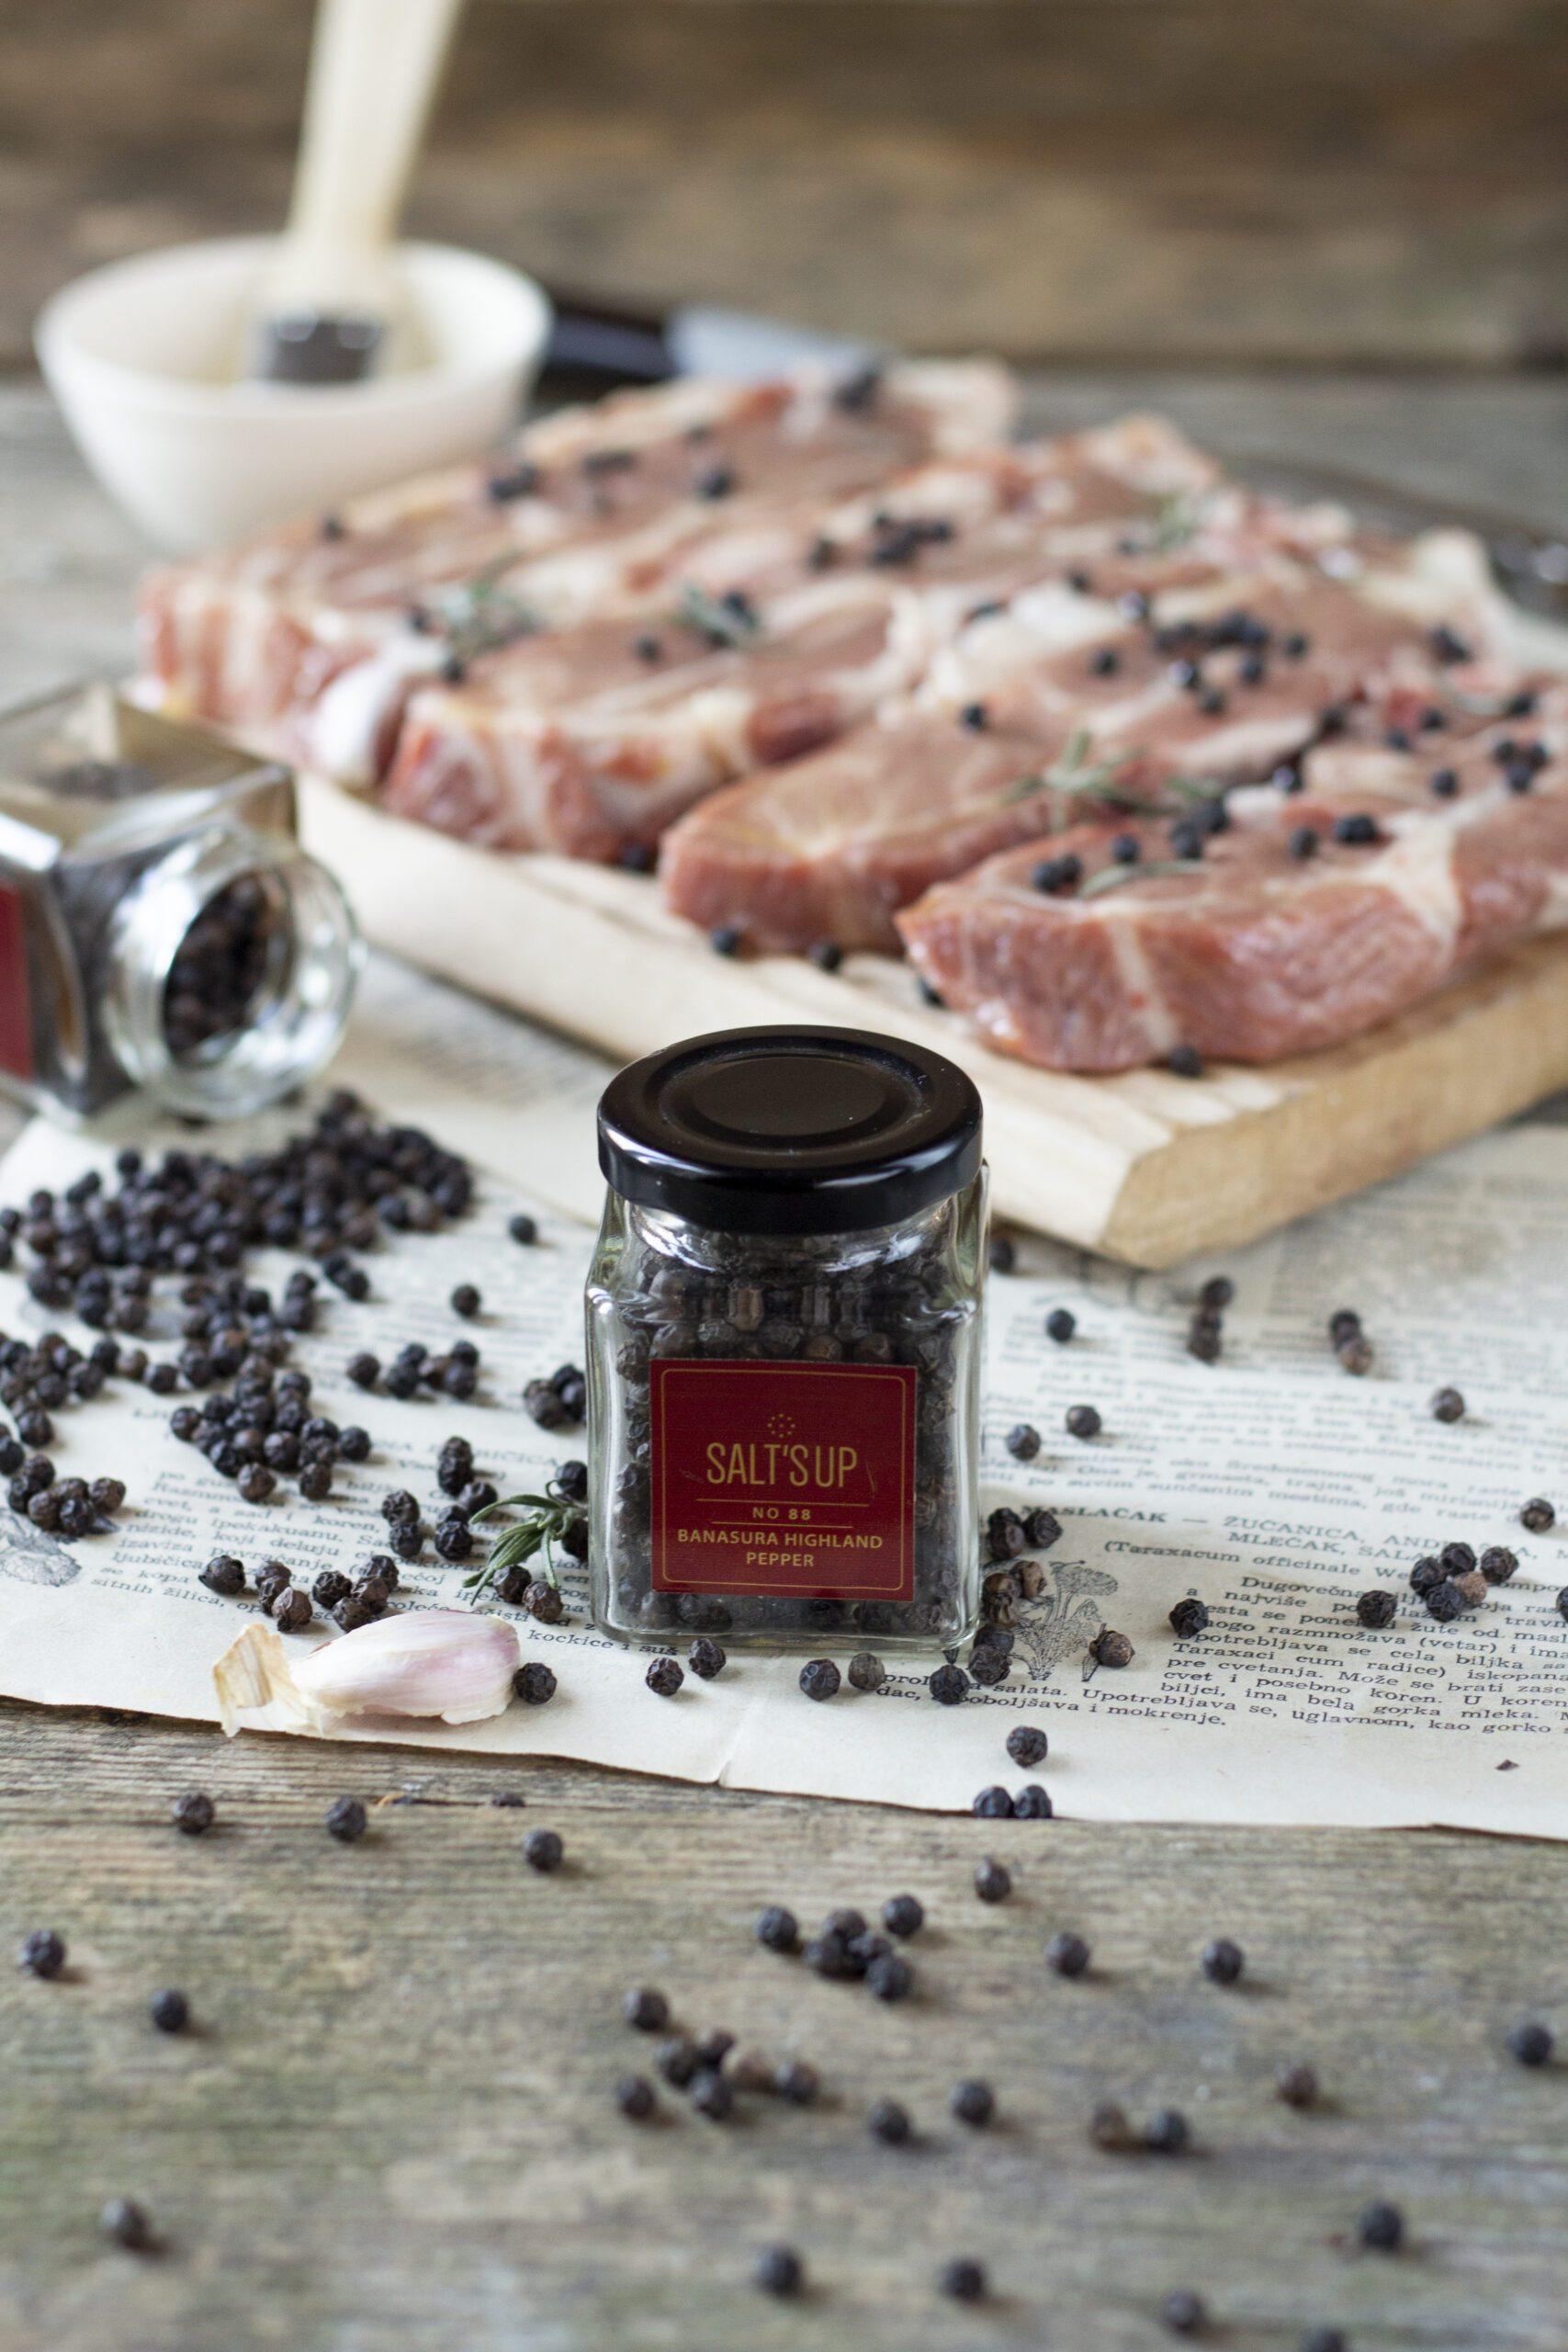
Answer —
1143 1166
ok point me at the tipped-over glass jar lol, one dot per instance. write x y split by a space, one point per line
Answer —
784 1341
160 926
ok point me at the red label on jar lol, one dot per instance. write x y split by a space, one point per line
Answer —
791 1478
15 1011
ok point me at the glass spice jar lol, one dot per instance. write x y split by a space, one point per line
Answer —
160 926
784 1343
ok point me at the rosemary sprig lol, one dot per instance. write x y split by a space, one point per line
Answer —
731 621
477 614
1075 773
1112 877
546 1520
1178 517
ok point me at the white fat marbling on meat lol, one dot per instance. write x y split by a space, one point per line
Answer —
1140 989
352 718
1041 621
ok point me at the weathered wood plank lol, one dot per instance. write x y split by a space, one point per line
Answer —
1363 180
393 2127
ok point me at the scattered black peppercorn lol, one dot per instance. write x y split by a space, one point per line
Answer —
543 1850
1425 1573
1167 2133
949 1685
636 2098
194 1812
712 2095
1447 1405
1296 2084
1458 1559
1184 1061
707 1659
1497 1564
535 1682
1041 1528
1445 1601
827 954
465 1301
1323 2339
778 2270
1068 1953
43 1954
125 2222
522 1229
1110 1648
291 1611
889 1976
1189 1617
964 2280
1083 1421
1380 2227
346 1820
795 2080
1356 1355
677 2060
903 1914
1023 1442
1032 1803
992 1804
972 2102
646 2008
1375 1610
993 1879
1183 2313
1222 1961
1109 2129
170 2012
778 1928
1531 2044
1538 1515
888 2121
820 1678
866 1671
1060 1325
664 1677
223 1574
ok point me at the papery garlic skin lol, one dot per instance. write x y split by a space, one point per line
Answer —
451 1663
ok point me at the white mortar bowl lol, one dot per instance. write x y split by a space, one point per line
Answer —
140 357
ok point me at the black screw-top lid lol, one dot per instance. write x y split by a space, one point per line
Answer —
790 1130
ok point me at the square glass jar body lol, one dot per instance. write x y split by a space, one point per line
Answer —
127 841
783 1430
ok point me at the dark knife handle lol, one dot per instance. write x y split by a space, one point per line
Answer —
598 347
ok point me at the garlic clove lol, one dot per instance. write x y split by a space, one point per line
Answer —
447 1662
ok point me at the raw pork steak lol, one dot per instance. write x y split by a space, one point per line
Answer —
250 637
1010 732
1312 917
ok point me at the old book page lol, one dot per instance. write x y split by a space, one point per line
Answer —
1271 1484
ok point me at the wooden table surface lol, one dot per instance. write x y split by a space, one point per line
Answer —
391 2126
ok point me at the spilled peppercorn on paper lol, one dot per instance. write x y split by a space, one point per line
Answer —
1271 1484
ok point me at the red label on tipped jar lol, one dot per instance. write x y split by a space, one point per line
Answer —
788 1478
16 1007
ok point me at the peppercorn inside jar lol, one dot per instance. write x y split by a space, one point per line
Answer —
784 1343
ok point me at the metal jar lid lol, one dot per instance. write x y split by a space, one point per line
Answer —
790 1130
